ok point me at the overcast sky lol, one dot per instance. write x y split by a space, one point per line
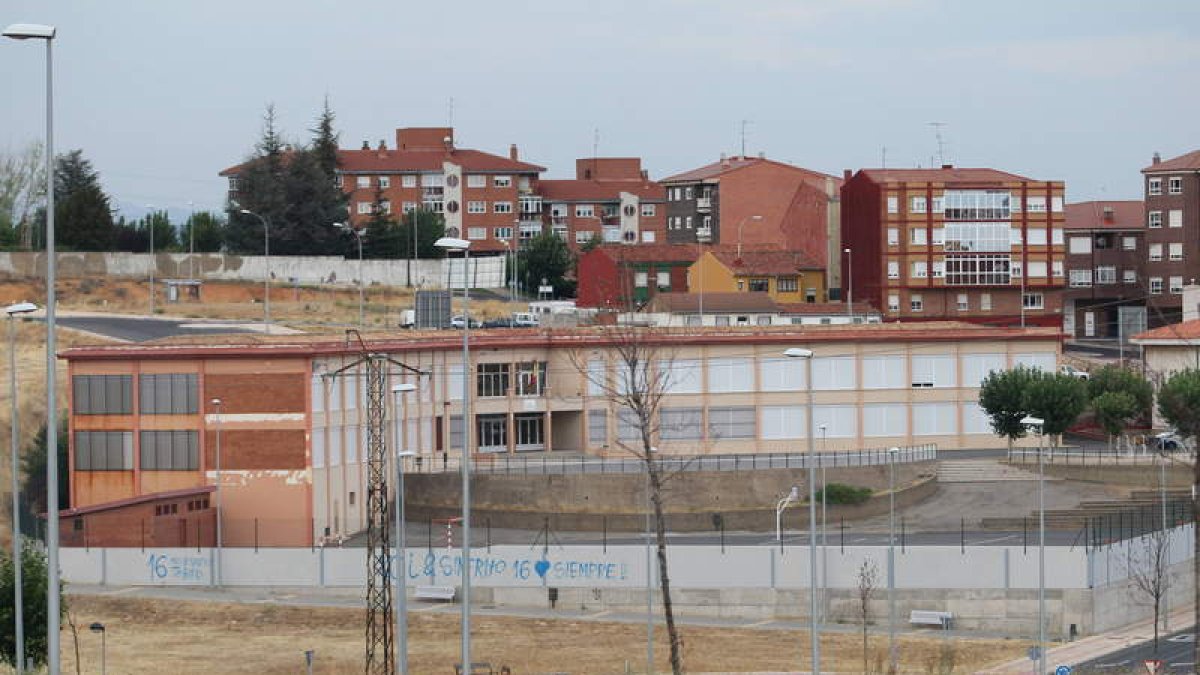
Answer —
163 95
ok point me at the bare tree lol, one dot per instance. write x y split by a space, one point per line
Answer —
868 583
22 189
1148 566
639 376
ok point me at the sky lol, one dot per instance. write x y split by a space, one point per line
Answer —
161 96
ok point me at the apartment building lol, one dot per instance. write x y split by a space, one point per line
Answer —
280 422
968 244
488 199
620 277
1105 259
755 201
610 200
1172 226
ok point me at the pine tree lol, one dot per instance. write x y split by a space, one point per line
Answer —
207 232
261 191
325 142
82 212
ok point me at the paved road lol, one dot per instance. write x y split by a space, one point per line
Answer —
1175 651
141 329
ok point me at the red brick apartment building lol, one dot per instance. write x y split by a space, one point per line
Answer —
1173 226
486 198
756 201
611 200
146 420
1106 259
976 245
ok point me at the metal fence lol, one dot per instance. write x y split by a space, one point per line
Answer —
543 465
1097 457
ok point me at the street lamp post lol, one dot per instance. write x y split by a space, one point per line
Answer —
824 531
32 31
453 244
1038 424
740 224
849 281
216 402
807 355
346 227
702 238
150 227
18 605
891 572
98 627
401 552
267 276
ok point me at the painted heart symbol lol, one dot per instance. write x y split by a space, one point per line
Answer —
541 567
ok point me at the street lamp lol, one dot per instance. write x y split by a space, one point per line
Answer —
790 498
267 276
216 403
703 236
1038 424
401 553
740 224
150 227
849 281
33 31
892 654
98 627
453 244
18 616
824 532
346 227
807 355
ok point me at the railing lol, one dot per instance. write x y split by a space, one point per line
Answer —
703 203
1097 457
548 464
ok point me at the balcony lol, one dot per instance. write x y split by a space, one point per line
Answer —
704 203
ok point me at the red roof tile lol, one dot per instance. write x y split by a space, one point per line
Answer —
394 161
764 261
718 169
1108 215
651 252
951 175
1188 162
139 499
1177 332
599 191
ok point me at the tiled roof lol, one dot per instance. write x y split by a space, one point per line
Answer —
598 191
1188 162
717 169
951 175
764 261
394 161
1126 215
139 499
689 303
824 308
1178 332
652 252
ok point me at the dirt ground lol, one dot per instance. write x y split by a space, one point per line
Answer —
155 636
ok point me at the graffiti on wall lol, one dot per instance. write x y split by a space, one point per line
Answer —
167 567
519 570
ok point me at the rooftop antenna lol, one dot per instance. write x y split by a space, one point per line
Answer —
744 123
883 159
450 113
937 133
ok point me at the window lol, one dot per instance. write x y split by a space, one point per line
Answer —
583 236
1175 185
893 303
916 303
476 207
893 235
1081 278
504 233
363 208
1154 219
409 207
1154 186
597 425
917 205
1056 267
648 237
780 422
934 419
663 280
682 376
476 233
103 450
1015 237
647 210
917 236
1080 245
939 236
933 370
1176 285
833 372
730 375
1129 276
884 371
385 206
782 374
985 302
530 431
585 211
1014 202
176 394
939 204
1156 285
893 269
1037 236
476 180
760 285
1175 251
1035 204
1175 218
408 180
1036 268
385 181
640 280
893 205
103 394
920 270
787 284
491 432
975 420
680 424
170 451
339 181
976 205
980 237
491 380
1156 252
939 269
736 422
1056 236
363 182
688 222
963 302
1056 204
1106 274
841 421
975 367
1129 243
1033 301
885 419
502 181
978 270
502 207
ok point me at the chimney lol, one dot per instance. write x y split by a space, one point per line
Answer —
645 174
947 166
512 152
382 145
1156 159
724 159
846 174
762 155
366 145
1109 214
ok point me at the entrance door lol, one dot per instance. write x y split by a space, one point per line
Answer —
1089 324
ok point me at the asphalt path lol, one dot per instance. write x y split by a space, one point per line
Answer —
142 329
1175 652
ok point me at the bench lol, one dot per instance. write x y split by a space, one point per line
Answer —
477 668
925 617
434 593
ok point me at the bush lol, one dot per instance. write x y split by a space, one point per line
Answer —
838 493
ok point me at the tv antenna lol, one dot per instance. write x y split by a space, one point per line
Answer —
744 123
937 133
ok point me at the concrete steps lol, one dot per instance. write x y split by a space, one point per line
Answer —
982 471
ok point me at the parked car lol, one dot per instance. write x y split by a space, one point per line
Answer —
499 323
456 322
1073 372
1168 441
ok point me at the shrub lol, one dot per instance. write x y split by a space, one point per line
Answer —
838 493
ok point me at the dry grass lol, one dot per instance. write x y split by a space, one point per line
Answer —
154 636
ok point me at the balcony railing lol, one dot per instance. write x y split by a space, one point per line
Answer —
703 203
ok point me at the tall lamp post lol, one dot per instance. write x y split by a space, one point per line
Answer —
346 227
216 403
33 31
807 355
150 227
703 236
849 281
1036 424
401 554
267 276
824 532
453 244
891 572
18 606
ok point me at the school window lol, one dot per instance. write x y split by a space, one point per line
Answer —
1154 219
597 427
476 207
103 450
363 182
531 378
502 207
476 180
1175 185
1156 285
492 432
647 210
502 181
733 422
102 394
916 303
1176 285
1154 186
491 380
680 424
1033 301
169 451
168 394
385 182
916 236
530 431
585 211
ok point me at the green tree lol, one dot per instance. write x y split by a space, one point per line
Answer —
1113 378
546 256
1056 399
1114 410
430 227
381 233
34 586
1179 405
325 142
82 212
207 230
261 190
1002 397
33 467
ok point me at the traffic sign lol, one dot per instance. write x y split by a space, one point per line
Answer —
1062 670
1153 666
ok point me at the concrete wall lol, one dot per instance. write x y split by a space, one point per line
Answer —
1144 477
484 272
